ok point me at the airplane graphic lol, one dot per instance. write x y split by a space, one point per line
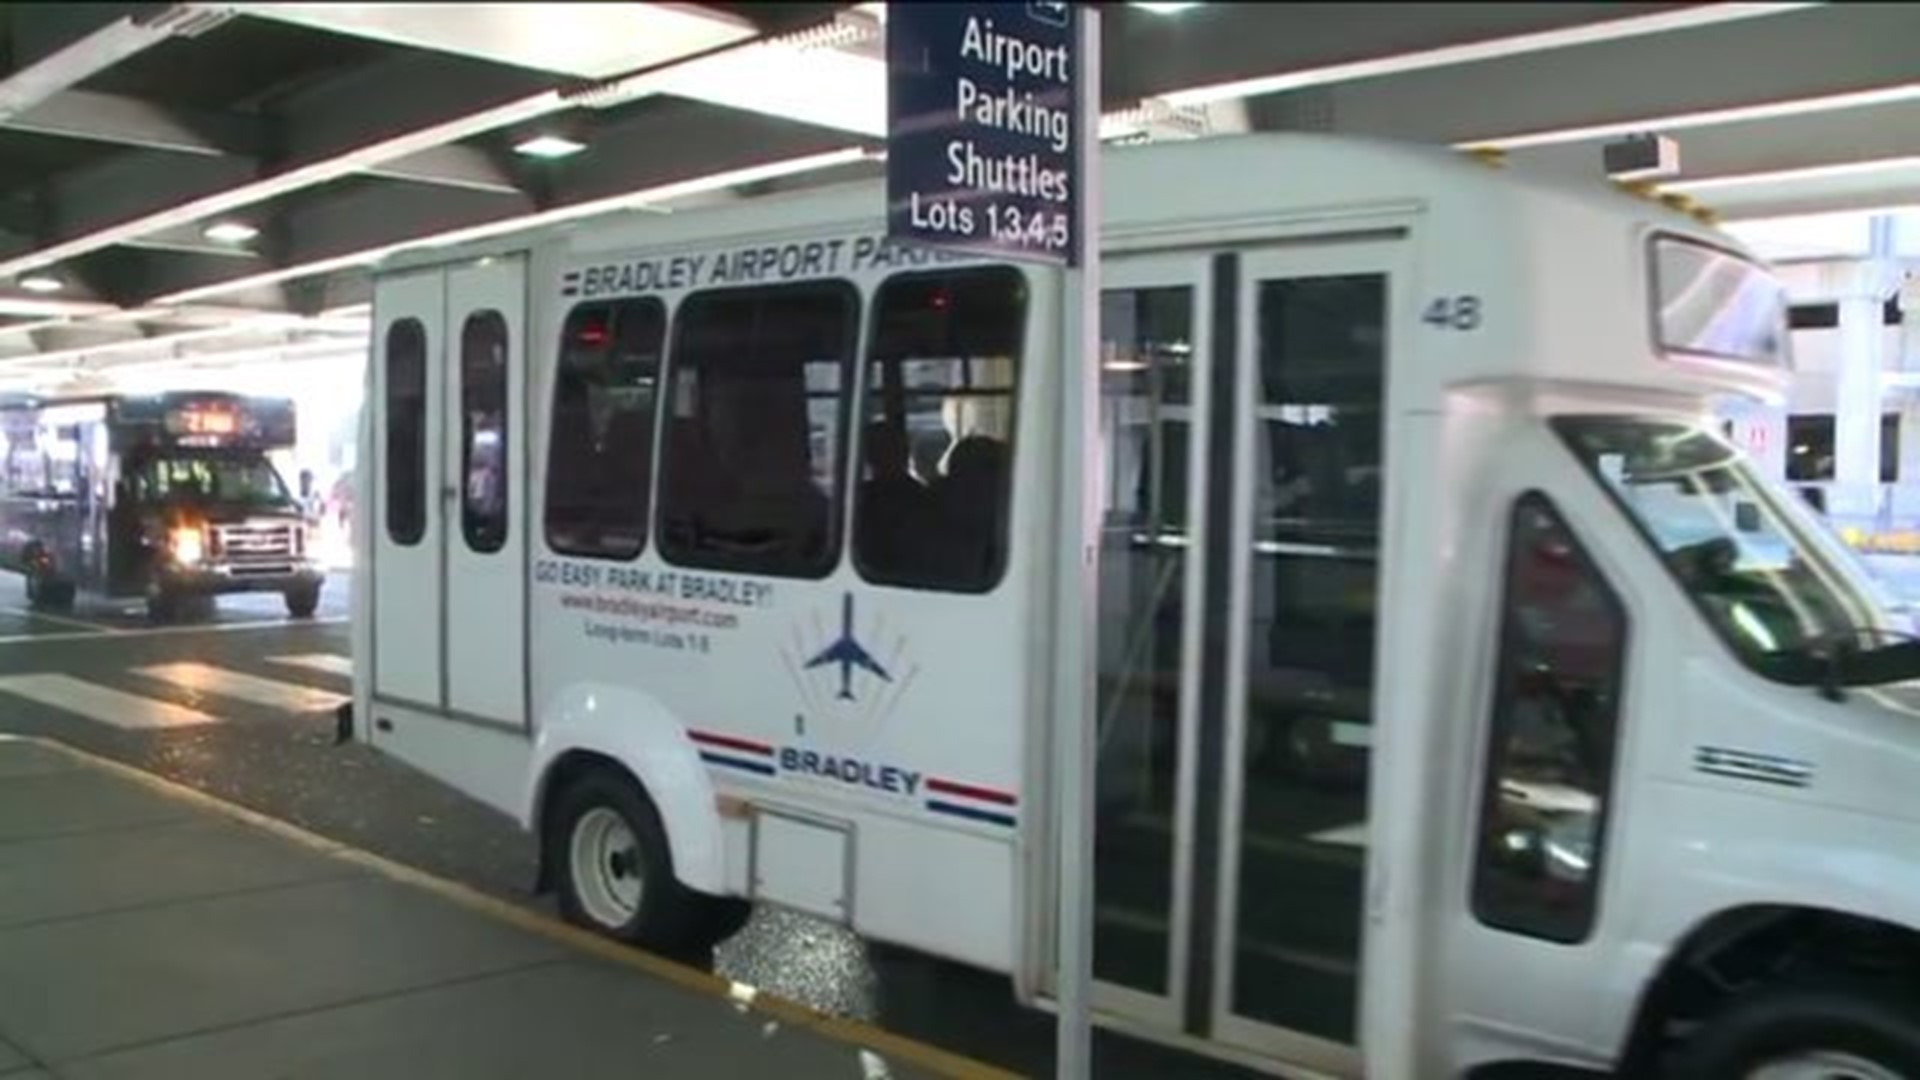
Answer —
847 653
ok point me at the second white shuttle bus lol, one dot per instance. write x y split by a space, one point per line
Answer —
1464 697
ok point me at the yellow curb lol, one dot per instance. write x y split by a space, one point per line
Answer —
792 1013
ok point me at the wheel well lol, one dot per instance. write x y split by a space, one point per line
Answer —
562 774
1743 948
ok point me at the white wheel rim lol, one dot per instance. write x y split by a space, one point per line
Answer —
1823 1065
605 859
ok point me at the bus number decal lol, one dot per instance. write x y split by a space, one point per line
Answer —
1453 313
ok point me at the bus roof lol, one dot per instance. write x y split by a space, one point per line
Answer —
1146 188
26 400
1566 268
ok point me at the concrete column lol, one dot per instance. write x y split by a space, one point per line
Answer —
1910 442
1855 499
1856 414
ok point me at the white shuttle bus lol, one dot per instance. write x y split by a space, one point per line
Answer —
1464 697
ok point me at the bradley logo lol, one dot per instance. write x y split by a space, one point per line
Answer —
847 654
849 673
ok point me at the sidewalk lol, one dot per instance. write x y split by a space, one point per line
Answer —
148 932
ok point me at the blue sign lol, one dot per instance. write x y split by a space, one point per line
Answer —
982 129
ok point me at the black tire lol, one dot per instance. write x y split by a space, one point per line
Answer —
44 591
303 601
57 595
669 916
163 606
1867 1023
723 917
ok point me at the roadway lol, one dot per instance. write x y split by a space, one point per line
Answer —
241 706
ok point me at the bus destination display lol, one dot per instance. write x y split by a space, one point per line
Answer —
981 128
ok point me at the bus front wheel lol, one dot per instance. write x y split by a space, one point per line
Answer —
1858 1031
303 601
613 866
164 605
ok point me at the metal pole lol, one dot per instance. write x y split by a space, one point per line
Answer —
1076 602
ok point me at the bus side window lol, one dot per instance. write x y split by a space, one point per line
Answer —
750 472
26 469
406 463
1563 639
936 452
483 434
600 448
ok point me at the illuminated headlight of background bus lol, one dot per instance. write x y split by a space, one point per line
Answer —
187 544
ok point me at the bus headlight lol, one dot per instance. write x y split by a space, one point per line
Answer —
186 544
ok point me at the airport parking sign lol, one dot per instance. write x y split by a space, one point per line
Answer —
982 129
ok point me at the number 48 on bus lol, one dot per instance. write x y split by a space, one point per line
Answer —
1453 313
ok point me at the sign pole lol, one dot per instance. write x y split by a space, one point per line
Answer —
1074 723
993 150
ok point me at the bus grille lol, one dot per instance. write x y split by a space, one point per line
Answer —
255 548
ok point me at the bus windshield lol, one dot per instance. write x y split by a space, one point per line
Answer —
1727 539
224 479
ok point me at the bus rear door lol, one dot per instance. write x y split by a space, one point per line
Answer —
449 625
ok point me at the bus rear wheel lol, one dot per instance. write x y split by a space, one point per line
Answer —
303 601
613 867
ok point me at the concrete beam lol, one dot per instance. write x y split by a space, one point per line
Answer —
394 97
1887 185
375 213
1777 145
413 104
131 122
40 30
131 184
127 276
333 236
1803 53
127 121
457 166
1220 43
705 140
78 58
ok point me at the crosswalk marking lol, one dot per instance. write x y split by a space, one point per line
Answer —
205 678
114 707
331 663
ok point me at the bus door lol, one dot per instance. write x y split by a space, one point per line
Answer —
409 342
449 589
484 489
1242 407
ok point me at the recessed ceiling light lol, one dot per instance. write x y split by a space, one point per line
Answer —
41 283
230 232
549 147
1166 9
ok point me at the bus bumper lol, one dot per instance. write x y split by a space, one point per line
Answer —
218 578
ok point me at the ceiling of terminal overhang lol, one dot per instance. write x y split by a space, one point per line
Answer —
197 186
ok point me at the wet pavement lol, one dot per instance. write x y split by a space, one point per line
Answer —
252 693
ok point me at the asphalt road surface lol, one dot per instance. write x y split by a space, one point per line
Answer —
240 705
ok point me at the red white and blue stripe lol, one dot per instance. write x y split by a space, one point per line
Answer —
971 802
732 752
